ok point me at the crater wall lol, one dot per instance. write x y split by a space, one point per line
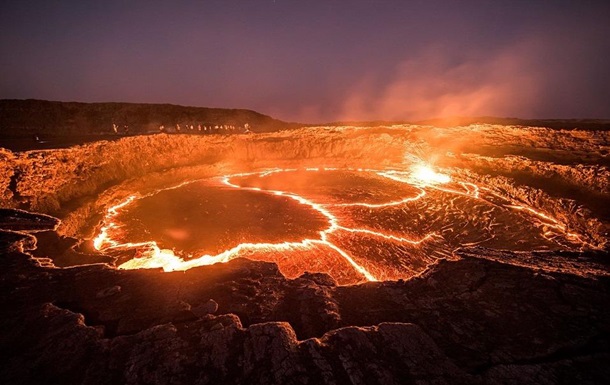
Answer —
66 182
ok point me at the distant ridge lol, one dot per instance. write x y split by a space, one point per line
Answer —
20 118
568 124
24 118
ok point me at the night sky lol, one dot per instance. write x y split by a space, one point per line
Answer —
315 61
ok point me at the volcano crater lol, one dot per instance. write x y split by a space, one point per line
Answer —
483 278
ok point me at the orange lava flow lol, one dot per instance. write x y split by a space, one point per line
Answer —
419 177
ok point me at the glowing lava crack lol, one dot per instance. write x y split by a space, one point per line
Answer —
377 224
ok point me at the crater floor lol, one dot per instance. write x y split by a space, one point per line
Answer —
355 225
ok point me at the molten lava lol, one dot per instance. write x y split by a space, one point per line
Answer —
378 224
428 175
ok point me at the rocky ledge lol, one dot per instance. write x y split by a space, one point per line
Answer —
487 317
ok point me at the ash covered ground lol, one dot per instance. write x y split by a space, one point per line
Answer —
357 271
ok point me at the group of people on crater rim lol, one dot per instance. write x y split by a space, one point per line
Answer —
206 128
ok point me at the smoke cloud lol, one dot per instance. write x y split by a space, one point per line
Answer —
434 85
316 62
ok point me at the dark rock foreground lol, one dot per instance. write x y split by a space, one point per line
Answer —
487 318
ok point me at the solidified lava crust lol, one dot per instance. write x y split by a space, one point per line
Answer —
478 314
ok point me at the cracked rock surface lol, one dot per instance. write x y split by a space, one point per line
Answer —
483 318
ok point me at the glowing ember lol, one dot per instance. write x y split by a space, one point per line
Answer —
379 224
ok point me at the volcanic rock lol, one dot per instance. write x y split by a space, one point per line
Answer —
16 241
13 219
108 292
210 307
473 320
